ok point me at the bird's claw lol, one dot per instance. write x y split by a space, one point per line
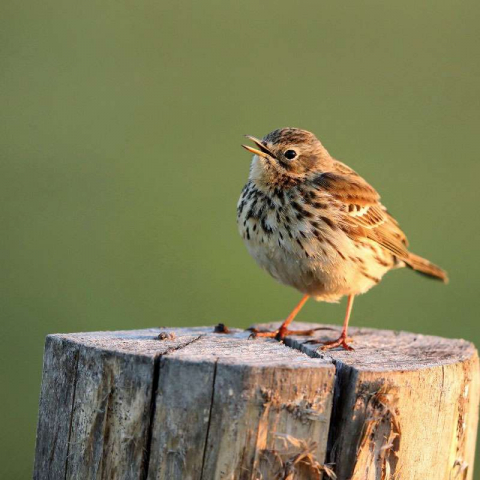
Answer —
276 334
339 342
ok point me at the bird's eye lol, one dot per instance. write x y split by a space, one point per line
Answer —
290 154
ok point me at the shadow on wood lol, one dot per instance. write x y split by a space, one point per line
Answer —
198 405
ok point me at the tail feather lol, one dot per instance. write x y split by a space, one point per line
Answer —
425 267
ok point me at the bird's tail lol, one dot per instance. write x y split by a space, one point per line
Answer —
421 265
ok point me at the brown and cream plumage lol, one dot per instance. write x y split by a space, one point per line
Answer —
316 225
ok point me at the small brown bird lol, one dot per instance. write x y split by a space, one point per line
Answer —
316 225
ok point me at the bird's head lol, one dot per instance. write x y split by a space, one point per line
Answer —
286 156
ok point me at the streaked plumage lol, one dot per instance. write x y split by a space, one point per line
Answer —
315 224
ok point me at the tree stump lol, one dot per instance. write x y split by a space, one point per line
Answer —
191 404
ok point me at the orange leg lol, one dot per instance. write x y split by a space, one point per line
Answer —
341 341
283 331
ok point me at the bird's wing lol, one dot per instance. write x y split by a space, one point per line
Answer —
363 214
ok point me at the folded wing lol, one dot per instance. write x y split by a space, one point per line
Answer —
364 215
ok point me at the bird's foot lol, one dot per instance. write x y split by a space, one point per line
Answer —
280 333
341 341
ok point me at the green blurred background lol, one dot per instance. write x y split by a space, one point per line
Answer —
121 165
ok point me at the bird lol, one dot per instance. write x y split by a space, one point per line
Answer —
316 225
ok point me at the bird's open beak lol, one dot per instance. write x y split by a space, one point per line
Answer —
263 152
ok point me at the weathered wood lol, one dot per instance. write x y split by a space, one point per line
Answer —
96 402
198 405
235 395
406 405
56 400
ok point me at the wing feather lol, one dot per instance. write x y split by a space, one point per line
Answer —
363 214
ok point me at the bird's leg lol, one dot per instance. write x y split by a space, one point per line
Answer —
341 341
283 331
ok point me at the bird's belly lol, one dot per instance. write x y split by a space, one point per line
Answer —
288 269
328 276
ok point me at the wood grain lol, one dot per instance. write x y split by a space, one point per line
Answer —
406 405
204 406
198 406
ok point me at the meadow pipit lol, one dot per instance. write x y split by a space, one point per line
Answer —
316 225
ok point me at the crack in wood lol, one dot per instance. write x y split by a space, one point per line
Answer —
181 346
209 420
148 442
342 402
152 408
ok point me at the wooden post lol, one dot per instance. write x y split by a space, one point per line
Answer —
198 405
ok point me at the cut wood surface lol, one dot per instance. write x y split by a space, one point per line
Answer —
201 405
